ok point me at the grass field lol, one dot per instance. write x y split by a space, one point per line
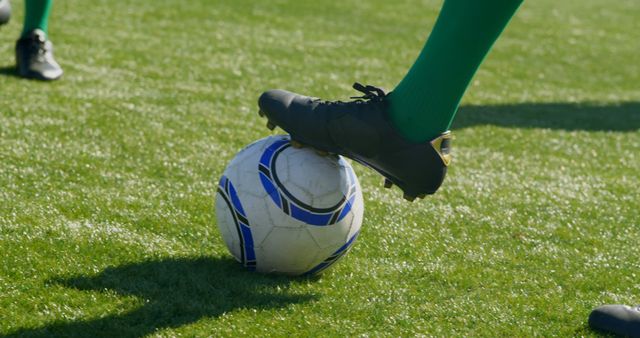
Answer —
107 177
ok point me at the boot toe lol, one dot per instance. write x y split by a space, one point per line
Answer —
276 100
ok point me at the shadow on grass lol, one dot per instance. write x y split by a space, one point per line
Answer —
176 292
9 71
563 116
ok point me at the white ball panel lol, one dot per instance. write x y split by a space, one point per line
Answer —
318 180
331 235
259 218
289 251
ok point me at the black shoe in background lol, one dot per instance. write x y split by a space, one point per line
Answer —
619 319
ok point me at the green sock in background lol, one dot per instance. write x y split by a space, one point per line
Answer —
36 16
425 102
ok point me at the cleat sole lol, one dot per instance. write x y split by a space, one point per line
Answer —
409 198
387 183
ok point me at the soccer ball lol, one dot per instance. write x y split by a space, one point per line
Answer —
288 210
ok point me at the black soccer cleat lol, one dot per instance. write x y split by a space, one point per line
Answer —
362 131
34 57
622 320
5 12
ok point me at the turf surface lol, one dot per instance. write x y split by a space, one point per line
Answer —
107 177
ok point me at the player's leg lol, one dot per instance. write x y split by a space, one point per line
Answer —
402 135
36 16
424 103
34 51
618 319
5 12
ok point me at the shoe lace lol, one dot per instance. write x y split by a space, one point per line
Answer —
39 48
371 93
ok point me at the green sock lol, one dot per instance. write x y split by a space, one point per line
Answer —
36 16
425 102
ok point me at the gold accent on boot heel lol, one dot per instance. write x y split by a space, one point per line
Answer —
442 145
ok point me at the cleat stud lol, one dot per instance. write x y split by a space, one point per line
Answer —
271 125
261 113
422 196
409 198
296 144
322 152
387 183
